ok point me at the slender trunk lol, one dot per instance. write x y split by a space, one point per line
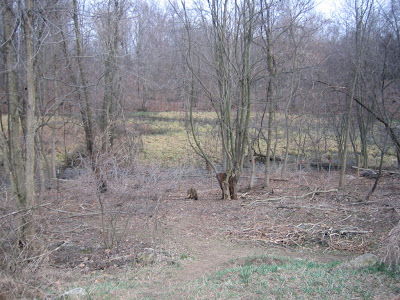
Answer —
224 159
269 137
53 147
252 164
86 107
346 136
379 175
398 158
39 166
286 155
110 66
362 124
12 146
28 229
287 123
270 94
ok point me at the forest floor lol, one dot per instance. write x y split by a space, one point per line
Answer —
157 244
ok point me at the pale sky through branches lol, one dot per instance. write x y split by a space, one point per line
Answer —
328 6
324 6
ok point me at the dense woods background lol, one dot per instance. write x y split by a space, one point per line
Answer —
282 80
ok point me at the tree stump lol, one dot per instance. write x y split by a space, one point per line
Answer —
192 194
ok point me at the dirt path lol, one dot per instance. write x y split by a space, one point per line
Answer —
206 252
208 255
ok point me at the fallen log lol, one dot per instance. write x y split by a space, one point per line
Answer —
377 171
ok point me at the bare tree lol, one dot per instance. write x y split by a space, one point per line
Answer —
20 154
284 31
110 36
230 32
85 103
362 12
267 25
12 146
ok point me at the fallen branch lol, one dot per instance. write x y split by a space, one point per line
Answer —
279 179
45 253
377 171
363 203
308 207
289 197
120 257
343 232
23 210
339 208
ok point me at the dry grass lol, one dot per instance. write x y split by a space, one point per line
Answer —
392 257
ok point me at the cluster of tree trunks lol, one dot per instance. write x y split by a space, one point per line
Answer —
228 184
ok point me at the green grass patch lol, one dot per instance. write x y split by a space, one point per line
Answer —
283 278
260 277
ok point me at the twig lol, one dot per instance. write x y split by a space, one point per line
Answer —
363 203
397 210
349 216
289 197
92 212
44 254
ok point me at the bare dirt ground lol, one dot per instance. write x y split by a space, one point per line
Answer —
159 226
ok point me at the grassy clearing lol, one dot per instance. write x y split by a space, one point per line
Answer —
282 278
263 277
167 141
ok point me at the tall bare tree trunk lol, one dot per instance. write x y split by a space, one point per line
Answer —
12 146
28 229
110 69
86 107
291 97
53 174
269 138
270 92
252 165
